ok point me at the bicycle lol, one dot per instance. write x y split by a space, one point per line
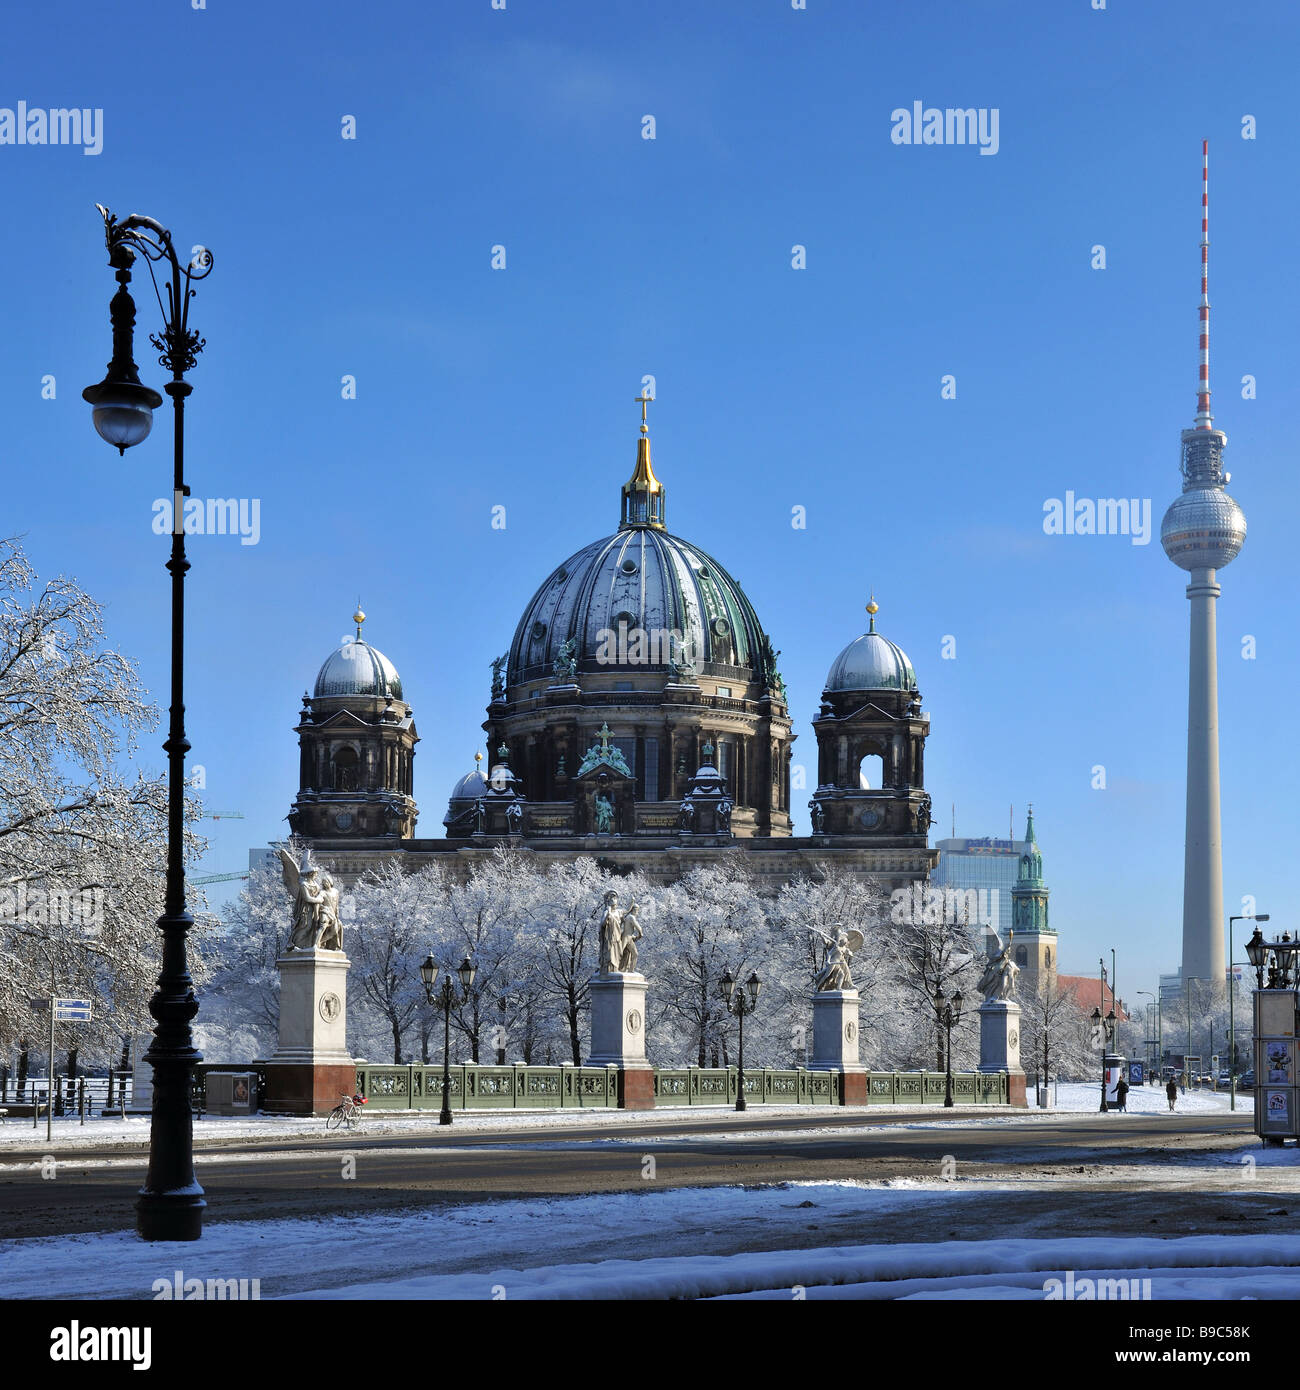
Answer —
346 1112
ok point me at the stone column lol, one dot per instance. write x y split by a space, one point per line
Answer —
1000 1045
836 1042
618 1017
311 1067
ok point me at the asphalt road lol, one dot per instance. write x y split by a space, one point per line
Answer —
1070 1173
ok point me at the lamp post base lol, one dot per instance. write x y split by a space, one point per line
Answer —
169 1216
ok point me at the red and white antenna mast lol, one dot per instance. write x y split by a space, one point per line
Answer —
1204 420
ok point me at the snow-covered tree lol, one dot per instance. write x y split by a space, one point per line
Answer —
82 841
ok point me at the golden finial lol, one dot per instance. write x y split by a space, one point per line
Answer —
478 758
643 401
358 617
872 608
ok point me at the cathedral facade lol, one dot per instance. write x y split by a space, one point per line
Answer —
638 716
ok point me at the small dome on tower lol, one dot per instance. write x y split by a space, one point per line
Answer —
357 669
871 662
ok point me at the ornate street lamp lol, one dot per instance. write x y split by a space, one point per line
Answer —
948 1012
1105 1028
739 1004
170 1205
1257 954
446 997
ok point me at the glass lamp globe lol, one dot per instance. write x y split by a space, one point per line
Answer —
122 412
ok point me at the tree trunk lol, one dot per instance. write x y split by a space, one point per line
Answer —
397 1042
575 1042
22 1064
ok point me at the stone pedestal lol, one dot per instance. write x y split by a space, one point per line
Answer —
618 1036
311 1067
836 1042
1000 1045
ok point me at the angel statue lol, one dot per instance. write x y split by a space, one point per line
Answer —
999 978
840 950
315 904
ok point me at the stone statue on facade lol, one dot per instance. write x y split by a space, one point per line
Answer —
686 816
840 950
604 814
498 682
818 817
999 978
566 663
724 816
514 818
315 904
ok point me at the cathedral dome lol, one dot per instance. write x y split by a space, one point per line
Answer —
639 580
471 786
871 662
357 669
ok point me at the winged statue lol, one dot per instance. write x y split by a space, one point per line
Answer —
840 950
315 904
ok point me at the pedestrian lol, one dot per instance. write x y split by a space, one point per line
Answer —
1121 1096
1171 1092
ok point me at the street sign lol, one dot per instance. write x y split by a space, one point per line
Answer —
72 1010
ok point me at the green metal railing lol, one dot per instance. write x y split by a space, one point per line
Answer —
520 1087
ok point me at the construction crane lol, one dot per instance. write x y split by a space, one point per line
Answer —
216 878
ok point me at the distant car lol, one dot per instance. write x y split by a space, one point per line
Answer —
1246 1081
1225 1077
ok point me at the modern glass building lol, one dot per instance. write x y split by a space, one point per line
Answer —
987 865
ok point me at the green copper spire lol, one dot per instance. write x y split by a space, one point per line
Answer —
1029 896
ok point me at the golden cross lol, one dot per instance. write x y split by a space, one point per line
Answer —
643 401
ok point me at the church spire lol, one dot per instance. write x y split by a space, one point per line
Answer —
872 609
643 493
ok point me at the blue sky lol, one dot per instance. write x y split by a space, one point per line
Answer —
777 388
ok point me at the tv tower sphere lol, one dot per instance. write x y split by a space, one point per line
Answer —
1203 529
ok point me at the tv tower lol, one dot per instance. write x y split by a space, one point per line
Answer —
1203 530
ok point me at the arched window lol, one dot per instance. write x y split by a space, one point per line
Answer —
1022 957
871 772
345 770
1047 957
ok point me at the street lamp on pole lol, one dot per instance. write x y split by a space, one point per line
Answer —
1103 1028
1232 1008
739 1004
948 1012
446 997
170 1205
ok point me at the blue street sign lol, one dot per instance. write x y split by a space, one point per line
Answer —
72 1010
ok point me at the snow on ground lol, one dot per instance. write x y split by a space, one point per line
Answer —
1142 1100
1202 1267
458 1240
648 1245
20 1133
